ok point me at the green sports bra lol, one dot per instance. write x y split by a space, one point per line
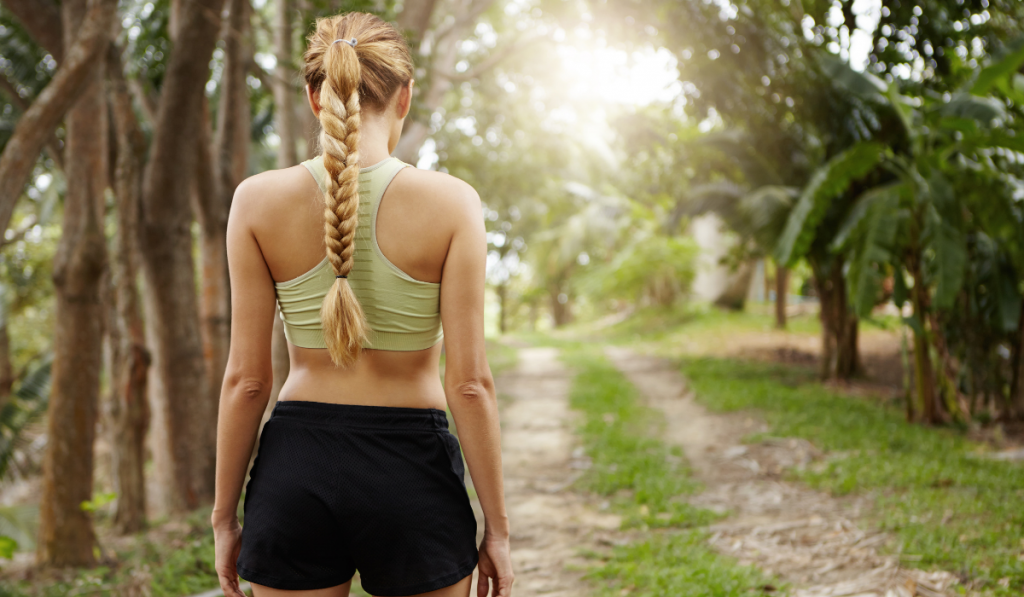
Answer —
403 313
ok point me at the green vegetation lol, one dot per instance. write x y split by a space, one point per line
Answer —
946 504
167 562
647 483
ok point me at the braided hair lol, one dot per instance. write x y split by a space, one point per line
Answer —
349 76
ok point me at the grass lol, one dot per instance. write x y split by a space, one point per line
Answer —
647 483
947 507
664 324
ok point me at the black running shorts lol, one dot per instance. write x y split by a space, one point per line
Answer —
337 488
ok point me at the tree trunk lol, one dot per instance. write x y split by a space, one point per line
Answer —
179 386
36 126
129 408
840 358
284 92
560 312
415 19
66 535
781 290
229 163
6 368
1017 386
924 378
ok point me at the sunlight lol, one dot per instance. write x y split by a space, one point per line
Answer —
597 72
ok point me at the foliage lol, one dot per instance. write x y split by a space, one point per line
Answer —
651 268
25 406
832 179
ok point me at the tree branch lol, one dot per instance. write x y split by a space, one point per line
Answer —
53 147
36 125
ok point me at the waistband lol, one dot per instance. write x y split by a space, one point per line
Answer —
360 415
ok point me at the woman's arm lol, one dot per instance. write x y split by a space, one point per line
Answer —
248 376
469 387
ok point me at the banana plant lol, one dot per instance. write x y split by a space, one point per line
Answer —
786 221
917 224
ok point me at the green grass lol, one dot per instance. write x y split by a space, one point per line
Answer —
945 505
664 324
647 483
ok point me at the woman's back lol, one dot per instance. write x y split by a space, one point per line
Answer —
415 222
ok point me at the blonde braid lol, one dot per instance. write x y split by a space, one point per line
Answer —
364 74
343 321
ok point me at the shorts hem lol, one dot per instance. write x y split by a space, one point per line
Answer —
424 587
292 584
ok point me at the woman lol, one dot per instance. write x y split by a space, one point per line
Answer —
356 468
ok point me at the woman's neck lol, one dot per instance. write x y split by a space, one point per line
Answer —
374 135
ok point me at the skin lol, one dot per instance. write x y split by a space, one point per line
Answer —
431 226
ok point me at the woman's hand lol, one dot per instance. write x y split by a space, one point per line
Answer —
495 565
227 540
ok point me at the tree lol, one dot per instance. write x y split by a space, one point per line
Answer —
66 535
917 224
130 358
36 125
179 387
216 181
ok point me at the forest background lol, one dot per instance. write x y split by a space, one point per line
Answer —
867 154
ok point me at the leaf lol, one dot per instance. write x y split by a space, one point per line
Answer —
861 84
973 107
860 209
765 210
964 125
1008 301
26 405
873 251
949 249
900 291
827 182
7 547
1002 69
914 324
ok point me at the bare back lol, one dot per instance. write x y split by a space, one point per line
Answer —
415 227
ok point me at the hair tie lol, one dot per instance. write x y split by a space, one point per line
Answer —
352 42
345 276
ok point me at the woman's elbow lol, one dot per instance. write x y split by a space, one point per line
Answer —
247 386
475 389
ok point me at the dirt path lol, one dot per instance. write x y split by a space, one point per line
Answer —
550 523
807 538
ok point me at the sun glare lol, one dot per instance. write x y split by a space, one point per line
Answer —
615 76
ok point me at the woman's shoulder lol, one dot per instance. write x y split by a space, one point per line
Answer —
273 193
273 183
439 189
